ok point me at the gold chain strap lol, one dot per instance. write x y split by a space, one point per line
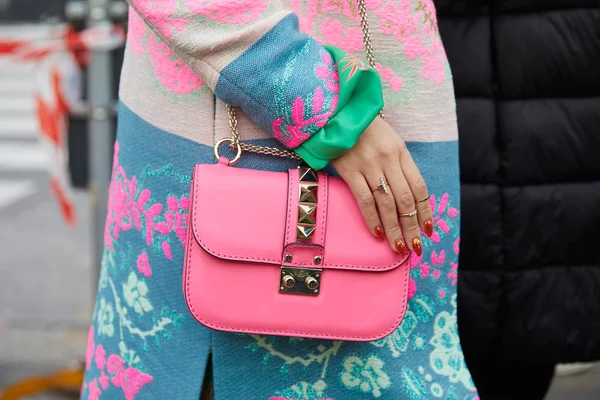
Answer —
236 145
364 26
234 141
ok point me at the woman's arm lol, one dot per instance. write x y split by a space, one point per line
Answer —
252 55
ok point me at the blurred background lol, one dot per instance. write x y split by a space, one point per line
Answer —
59 61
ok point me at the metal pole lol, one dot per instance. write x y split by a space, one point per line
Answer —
100 128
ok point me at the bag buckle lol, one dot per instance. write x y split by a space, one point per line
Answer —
300 280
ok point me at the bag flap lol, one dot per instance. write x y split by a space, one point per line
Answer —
240 214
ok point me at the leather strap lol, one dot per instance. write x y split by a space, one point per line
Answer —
299 250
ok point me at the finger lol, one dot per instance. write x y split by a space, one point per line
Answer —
364 197
419 190
406 205
386 206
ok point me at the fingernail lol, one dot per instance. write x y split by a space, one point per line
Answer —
428 228
401 247
417 247
379 233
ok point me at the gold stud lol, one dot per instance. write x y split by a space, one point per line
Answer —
304 233
288 258
318 260
307 175
306 214
308 193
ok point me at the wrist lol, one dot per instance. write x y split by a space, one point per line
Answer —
359 103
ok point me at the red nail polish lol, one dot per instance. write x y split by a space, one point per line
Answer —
379 233
428 227
401 247
417 247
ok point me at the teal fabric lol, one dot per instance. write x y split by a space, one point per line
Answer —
144 344
295 96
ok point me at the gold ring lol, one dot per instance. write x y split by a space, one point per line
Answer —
424 200
409 214
383 186
238 150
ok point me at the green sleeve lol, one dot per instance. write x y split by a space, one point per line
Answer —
360 101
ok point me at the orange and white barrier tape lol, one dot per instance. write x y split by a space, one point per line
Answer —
58 62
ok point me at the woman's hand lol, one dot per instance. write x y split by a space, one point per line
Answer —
381 153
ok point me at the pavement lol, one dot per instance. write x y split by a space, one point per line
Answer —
46 272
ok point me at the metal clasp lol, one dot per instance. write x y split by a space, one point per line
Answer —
300 280
237 147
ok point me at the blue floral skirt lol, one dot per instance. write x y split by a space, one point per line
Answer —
144 344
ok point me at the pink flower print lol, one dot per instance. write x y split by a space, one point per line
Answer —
425 269
104 381
349 40
95 392
174 216
136 31
100 357
172 73
413 47
453 274
396 83
438 260
345 8
229 11
440 214
373 4
89 354
129 379
172 203
456 244
184 203
387 74
289 135
114 364
442 293
415 259
292 135
115 155
430 16
143 264
412 288
329 73
308 10
398 20
434 68
125 212
159 13
166 248
306 15
452 212
387 14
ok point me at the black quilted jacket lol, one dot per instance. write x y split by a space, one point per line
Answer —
527 80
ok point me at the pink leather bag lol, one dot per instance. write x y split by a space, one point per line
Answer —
288 254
